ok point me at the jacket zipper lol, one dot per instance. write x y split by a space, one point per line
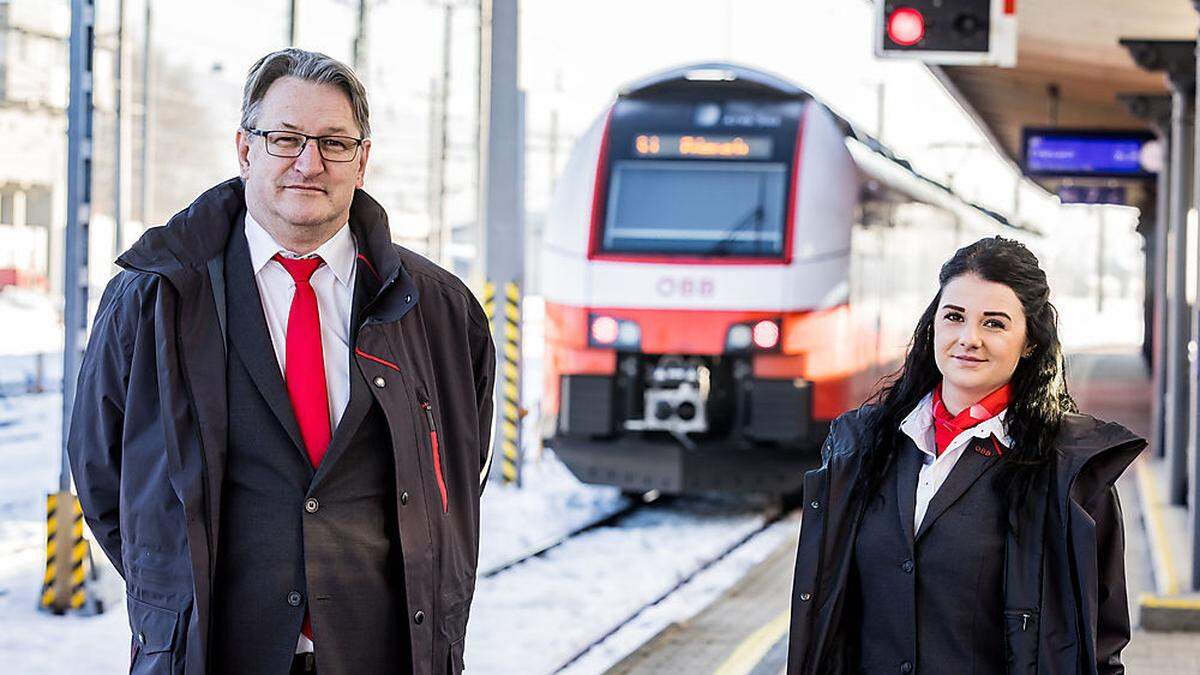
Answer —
1023 614
437 456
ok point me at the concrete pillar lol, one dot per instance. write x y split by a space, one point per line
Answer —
1156 110
1177 59
1176 413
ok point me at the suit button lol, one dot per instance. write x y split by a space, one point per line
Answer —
419 617
403 499
295 599
408 298
906 667
311 505
805 597
380 382
142 638
815 504
907 566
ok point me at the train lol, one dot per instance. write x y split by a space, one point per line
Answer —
727 265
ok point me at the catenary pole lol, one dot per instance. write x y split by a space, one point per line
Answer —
79 207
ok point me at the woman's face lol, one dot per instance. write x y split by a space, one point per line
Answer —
978 338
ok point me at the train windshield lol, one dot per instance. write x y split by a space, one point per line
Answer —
708 208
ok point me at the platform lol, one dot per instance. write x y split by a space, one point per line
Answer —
744 632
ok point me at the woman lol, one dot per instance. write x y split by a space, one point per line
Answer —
965 520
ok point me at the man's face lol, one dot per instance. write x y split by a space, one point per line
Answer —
305 191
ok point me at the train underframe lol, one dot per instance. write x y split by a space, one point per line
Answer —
687 425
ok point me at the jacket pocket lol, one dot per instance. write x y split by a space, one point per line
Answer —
1021 638
454 660
154 630
427 407
454 627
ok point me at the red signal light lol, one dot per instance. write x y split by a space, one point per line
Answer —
906 27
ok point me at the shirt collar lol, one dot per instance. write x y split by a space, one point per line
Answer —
338 252
918 425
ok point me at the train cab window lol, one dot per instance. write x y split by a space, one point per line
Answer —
717 208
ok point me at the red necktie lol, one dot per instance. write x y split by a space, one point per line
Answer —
947 427
304 369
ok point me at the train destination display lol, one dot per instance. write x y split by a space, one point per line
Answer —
707 146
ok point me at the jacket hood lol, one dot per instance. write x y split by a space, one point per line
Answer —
1093 454
199 233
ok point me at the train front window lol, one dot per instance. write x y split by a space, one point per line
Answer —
705 208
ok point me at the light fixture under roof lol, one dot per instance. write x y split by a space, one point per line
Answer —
711 75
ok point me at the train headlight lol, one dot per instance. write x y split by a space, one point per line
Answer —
605 331
761 335
740 337
766 334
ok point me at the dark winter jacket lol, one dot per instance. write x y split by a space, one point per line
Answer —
1065 605
148 437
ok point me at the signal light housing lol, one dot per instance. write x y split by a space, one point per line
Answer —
949 32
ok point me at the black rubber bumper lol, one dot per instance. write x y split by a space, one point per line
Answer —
635 463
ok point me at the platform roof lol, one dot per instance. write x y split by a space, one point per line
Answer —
1072 44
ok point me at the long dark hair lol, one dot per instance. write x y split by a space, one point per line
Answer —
1039 399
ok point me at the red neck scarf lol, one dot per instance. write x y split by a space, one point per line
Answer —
947 427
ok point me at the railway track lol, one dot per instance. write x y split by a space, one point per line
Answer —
610 520
773 517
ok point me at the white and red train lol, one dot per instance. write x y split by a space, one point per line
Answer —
726 268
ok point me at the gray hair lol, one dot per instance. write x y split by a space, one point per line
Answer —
308 66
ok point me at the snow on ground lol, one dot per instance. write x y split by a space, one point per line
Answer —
555 605
31 341
692 597
31 320
517 521
31 642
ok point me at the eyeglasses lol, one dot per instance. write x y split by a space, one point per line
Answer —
292 144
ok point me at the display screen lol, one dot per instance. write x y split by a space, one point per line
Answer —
1085 194
696 208
1084 153
701 146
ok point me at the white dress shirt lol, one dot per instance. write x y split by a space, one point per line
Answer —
934 470
333 284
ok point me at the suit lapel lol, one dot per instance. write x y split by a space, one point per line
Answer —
365 287
970 466
908 471
249 338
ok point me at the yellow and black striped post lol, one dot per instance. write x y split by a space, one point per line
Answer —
511 387
489 301
68 559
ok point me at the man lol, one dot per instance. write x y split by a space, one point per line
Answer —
282 423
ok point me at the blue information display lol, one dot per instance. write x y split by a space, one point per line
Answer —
1075 153
1085 194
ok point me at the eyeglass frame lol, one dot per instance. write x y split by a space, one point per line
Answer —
266 146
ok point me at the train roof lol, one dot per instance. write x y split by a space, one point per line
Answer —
698 76
727 75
